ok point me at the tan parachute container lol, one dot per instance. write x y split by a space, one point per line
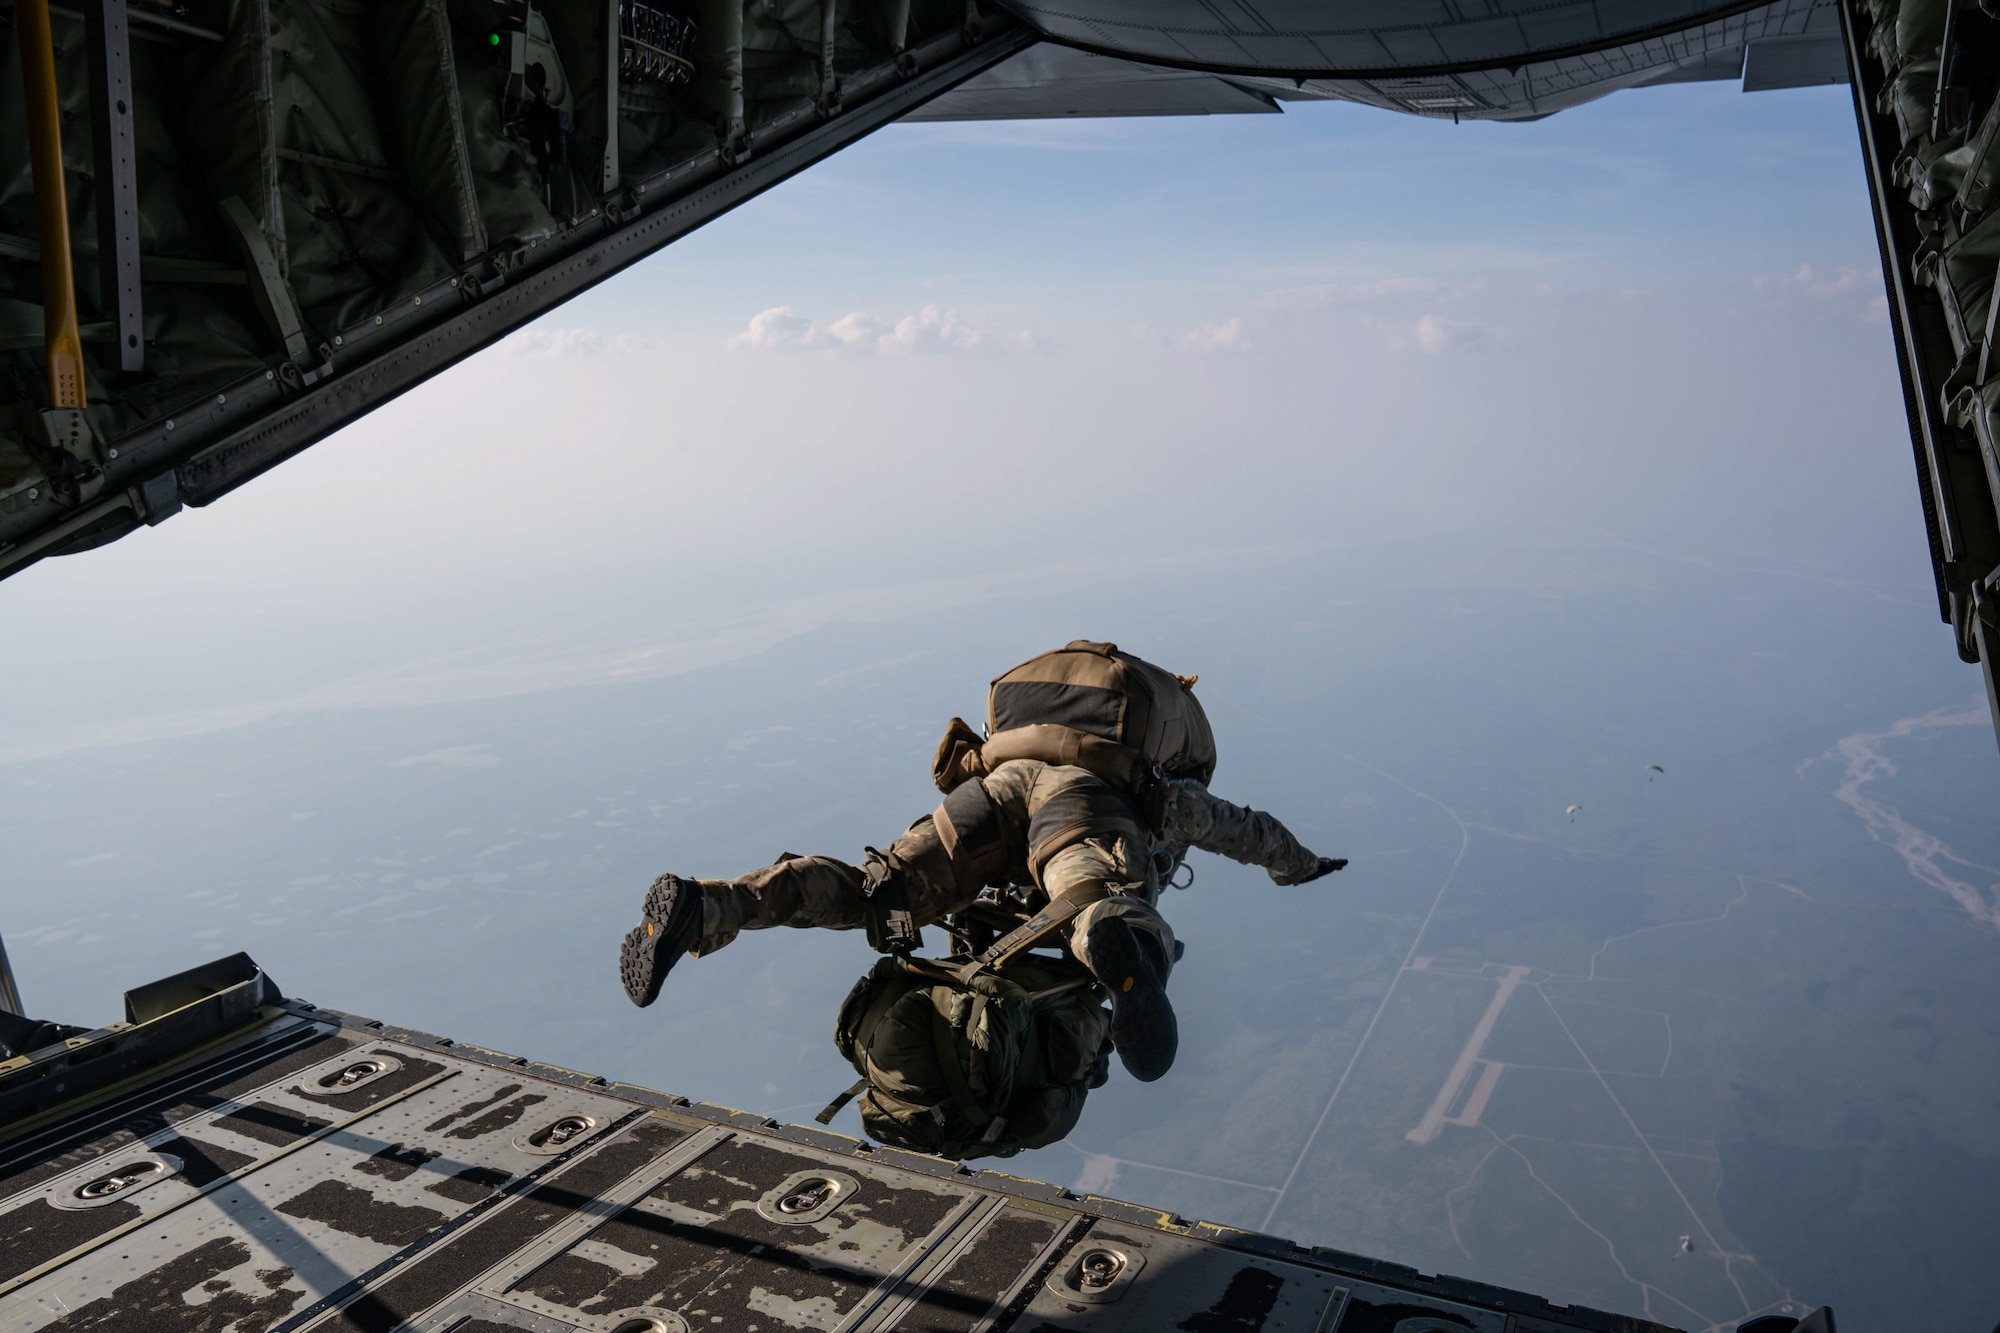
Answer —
1092 706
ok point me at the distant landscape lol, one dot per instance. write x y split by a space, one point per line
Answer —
1722 1042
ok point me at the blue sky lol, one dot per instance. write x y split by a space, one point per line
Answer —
1687 183
896 381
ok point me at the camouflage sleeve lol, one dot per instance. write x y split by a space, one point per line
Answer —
1199 819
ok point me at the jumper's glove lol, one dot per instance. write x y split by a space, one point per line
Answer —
1325 866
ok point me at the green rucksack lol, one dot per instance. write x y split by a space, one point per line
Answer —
965 1062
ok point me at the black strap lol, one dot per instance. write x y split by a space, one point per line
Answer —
891 926
833 1107
1053 917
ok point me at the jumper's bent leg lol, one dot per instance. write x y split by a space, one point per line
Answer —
1127 945
797 891
1127 872
820 891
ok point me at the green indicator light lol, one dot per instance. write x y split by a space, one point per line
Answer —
494 39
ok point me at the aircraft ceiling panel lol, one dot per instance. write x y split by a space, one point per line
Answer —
1795 62
1202 50
1463 42
1796 43
1539 88
1047 81
1710 67
1383 36
1416 47
1571 26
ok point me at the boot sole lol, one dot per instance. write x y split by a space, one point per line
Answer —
648 951
1143 1027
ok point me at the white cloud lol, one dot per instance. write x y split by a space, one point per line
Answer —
1434 335
570 342
780 327
1228 336
933 329
856 330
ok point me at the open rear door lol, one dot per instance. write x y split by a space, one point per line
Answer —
1925 74
280 214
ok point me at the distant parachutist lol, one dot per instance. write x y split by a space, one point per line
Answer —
1571 812
1652 769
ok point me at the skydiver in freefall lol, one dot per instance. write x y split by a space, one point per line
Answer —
1090 786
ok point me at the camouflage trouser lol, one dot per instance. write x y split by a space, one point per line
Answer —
820 891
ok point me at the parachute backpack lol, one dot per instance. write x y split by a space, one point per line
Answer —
973 1057
1092 706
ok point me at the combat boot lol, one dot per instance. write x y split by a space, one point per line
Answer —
1131 965
672 924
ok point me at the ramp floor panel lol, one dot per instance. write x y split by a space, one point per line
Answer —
327 1173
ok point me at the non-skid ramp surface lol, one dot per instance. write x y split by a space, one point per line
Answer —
324 1173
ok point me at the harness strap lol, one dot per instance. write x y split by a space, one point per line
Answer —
1053 917
826 1116
1052 743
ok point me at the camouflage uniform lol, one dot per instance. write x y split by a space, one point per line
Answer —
1121 855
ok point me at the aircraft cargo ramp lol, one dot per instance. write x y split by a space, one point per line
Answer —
233 1161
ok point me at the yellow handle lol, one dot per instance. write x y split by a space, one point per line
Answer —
64 346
